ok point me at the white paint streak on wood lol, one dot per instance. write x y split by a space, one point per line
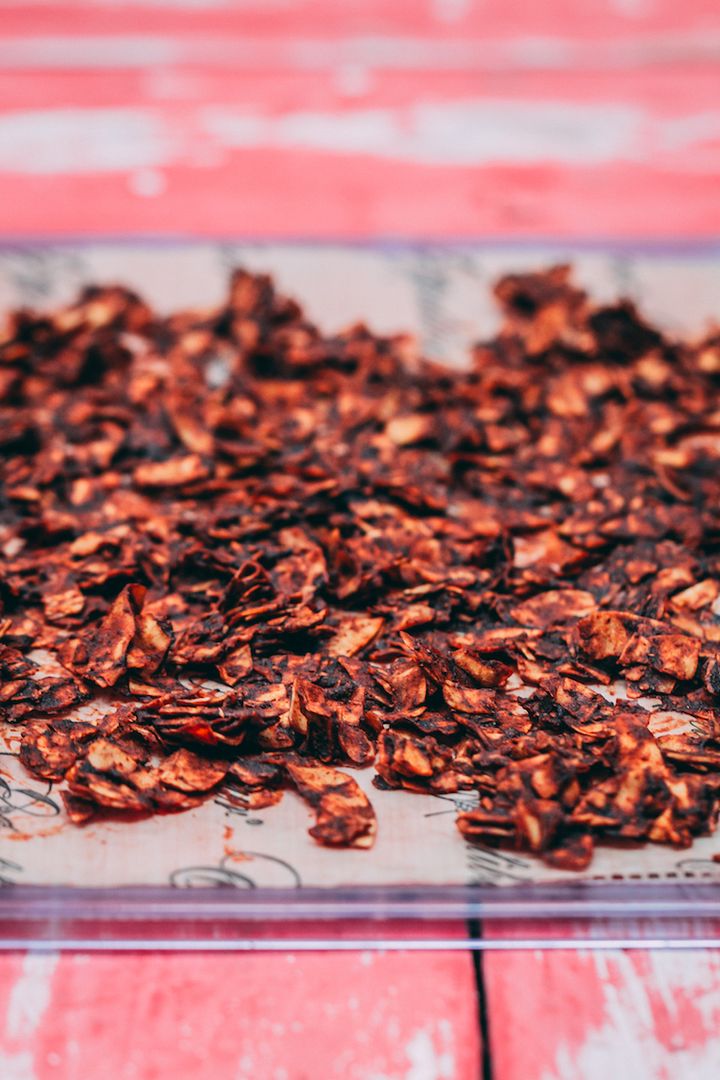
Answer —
16 1066
516 52
72 140
428 1061
469 132
473 132
391 52
429 1053
676 975
30 996
57 51
28 1002
626 1046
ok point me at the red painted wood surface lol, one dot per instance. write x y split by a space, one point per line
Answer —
581 1015
361 119
190 1016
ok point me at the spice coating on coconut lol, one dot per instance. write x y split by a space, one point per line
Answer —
281 556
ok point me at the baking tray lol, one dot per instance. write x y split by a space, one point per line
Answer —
223 877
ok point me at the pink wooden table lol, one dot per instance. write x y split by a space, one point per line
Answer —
360 119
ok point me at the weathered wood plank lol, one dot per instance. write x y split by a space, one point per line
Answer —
622 1014
230 1016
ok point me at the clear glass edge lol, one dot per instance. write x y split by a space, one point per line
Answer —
574 915
506 903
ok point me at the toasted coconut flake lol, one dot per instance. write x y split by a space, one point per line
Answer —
186 771
275 552
554 607
101 655
345 817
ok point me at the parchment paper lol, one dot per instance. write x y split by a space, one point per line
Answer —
443 295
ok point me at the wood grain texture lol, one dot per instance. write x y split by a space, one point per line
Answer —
432 19
592 1015
443 118
357 1016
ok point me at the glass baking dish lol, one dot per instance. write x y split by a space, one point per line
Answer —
224 877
